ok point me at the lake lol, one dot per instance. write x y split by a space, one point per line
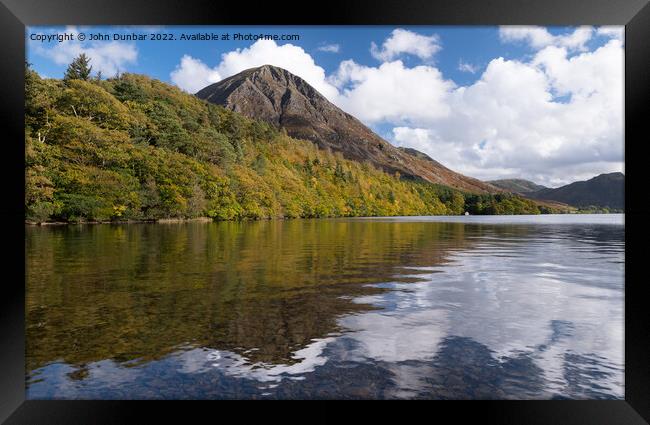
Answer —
477 307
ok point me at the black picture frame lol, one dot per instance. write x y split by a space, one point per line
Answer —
15 15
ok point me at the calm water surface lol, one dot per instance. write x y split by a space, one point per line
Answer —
524 307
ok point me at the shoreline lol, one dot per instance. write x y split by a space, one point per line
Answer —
209 220
156 221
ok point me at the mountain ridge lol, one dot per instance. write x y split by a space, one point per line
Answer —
520 186
277 96
605 190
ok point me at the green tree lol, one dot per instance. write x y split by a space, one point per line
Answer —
457 204
259 164
125 88
131 147
79 69
339 173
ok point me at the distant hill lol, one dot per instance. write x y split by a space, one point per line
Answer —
277 96
605 190
517 185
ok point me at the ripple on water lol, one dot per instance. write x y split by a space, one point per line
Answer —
418 307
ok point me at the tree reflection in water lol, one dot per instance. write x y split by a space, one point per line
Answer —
341 308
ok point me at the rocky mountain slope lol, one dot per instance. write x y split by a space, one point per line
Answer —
285 100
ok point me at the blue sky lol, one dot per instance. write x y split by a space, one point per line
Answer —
490 102
472 45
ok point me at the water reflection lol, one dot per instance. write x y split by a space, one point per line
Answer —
383 308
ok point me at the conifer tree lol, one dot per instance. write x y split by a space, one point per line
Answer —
79 69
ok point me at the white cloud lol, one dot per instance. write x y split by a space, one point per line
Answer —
192 75
109 57
467 67
554 118
287 56
392 92
540 37
403 41
617 32
330 48
510 123
263 52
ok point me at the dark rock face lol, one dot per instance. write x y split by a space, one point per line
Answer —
605 190
277 96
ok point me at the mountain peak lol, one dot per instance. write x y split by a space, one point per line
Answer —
270 68
268 93
275 95
616 175
269 72
603 190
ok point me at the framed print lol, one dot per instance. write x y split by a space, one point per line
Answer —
396 201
